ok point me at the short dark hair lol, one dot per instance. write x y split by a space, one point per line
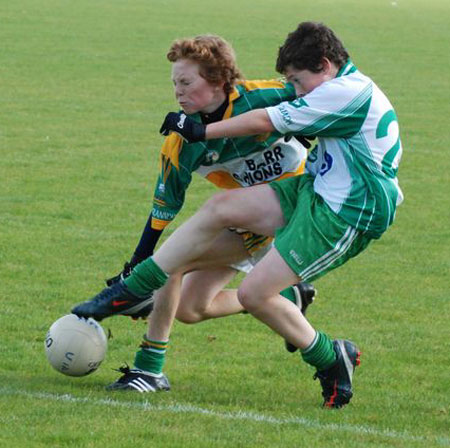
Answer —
305 48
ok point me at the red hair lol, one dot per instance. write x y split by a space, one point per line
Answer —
214 55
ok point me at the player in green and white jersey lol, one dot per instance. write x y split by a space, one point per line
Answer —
320 220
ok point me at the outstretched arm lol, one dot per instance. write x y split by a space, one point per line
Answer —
254 122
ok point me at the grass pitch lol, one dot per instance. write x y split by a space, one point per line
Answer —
84 87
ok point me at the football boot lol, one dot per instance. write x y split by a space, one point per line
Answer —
115 299
140 381
126 271
336 381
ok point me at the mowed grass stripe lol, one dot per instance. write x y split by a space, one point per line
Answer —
180 408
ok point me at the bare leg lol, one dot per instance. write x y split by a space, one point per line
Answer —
203 296
227 248
166 302
256 209
258 294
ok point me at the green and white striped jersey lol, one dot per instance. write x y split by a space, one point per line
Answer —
356 160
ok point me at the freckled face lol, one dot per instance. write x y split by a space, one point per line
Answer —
305 81
194 93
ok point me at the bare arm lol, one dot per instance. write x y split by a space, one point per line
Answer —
255 122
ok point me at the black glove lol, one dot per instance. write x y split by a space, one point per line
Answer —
189 129
305 141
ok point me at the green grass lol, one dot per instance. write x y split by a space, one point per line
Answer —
83 89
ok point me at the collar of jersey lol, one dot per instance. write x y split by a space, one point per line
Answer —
348 68
233 96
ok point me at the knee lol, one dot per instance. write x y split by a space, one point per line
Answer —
188 314
247 299
220 208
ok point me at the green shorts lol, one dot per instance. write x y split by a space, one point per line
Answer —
314 240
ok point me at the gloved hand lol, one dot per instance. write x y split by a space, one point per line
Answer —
186 127
305 141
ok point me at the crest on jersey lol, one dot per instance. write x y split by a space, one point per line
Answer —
211 157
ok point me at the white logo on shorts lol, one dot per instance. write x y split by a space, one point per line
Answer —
296 257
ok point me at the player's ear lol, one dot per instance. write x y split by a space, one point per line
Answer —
326 65
329 69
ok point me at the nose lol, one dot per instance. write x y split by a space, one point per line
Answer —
299 91
178 92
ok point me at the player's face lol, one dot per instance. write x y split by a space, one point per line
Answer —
305 81
194 93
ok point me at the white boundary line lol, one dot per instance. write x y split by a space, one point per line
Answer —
179 408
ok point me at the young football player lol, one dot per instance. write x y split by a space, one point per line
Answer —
320 220
209 87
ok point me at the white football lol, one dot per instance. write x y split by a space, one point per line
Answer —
75 346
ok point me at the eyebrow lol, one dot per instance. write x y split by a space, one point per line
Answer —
181 78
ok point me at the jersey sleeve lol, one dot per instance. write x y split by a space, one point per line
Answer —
168 197
176 166
334 109
264 93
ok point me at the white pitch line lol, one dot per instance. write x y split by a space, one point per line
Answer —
179 408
